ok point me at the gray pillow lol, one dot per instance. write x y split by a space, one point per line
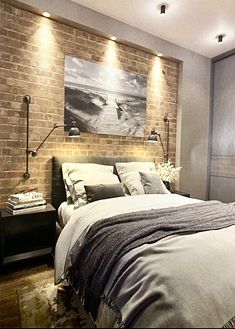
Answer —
102 191
153 184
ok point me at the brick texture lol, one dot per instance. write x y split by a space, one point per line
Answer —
32 52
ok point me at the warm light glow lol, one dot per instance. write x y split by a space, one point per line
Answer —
155 78
113 38
110 56
159 55
46 43
46 14
155 72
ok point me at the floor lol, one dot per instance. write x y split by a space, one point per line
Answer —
16 276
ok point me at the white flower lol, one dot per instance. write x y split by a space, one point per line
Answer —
167 172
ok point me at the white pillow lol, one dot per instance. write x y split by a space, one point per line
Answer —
133 182
71 173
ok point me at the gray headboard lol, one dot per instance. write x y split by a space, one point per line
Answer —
58 190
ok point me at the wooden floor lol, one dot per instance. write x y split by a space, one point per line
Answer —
17 276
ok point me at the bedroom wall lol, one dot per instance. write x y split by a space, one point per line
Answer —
222 173
32 63
193 113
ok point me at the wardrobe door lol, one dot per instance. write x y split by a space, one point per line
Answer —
222 170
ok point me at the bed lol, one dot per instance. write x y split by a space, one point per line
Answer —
156 260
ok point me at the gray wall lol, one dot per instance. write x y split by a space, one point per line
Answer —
222 174
194 91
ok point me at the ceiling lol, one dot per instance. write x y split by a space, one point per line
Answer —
193 24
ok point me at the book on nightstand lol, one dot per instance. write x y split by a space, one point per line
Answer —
21 203
26 197
25 210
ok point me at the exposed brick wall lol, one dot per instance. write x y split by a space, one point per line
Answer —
32 50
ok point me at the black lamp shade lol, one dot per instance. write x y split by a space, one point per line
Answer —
153 136
73 130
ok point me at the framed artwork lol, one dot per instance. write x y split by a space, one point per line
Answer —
104 100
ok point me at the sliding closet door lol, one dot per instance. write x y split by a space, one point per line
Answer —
222 170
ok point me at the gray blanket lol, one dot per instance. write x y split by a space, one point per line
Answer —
110 239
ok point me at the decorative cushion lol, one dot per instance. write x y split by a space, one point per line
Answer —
132 182
153 184
102 191
76 175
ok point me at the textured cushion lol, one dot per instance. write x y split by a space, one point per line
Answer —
102 191
153 184
132 182
76 175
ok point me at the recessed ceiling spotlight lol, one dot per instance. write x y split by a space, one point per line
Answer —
159 55
163 7
46 14
220 37
113 38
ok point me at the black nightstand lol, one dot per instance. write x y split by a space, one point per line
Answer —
182 193
27 235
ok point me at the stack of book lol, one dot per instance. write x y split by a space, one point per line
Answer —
21 203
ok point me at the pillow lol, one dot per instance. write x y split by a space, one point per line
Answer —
102 191
132 181
74 172
153 184
79 194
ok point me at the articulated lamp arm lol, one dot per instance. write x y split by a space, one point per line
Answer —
73 132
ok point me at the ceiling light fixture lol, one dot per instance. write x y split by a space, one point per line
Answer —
46 14
113 38
163 9
220 37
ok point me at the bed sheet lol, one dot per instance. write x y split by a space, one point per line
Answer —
83 217
65 211
184 280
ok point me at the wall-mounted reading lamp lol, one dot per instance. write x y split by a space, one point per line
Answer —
153 137
73 132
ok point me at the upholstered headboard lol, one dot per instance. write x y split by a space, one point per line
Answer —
58 190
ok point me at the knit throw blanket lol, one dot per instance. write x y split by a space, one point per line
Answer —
109 239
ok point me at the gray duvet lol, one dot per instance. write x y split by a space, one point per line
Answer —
180 281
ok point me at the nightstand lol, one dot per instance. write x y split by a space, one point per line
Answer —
27 235
182 193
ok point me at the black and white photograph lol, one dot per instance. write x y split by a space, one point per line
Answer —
104 100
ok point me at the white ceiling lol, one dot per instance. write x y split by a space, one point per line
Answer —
193 24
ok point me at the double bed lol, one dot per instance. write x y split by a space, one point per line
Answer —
155 260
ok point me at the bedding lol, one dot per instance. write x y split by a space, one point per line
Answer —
102 191
76 175
166 283
65 211
128 173
152 183
108 240
182 280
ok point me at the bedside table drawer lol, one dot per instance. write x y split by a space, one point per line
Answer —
22 234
